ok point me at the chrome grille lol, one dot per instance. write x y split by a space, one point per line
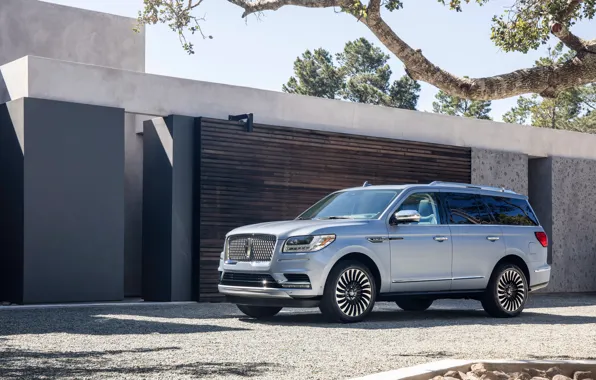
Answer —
250 247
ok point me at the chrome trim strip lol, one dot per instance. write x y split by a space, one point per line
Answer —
438 279
420 280
254 292
543 269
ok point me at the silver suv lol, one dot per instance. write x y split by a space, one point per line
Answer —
411 244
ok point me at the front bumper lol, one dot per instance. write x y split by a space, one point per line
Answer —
283 297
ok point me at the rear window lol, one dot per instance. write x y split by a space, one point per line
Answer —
466 208
511 211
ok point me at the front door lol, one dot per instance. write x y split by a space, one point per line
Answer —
420 252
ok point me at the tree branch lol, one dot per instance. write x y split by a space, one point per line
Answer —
560 30
570 40
544 80
374 8
273 5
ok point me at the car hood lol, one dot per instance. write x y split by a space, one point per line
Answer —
285 229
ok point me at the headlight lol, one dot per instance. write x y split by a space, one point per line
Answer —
307 243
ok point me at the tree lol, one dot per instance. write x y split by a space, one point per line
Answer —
573 109
361 75
454 106
316 75
525 25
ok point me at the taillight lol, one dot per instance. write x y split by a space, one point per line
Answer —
542 238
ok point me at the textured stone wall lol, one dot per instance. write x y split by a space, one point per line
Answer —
574 225
499 168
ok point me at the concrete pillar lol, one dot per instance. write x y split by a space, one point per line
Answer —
168 176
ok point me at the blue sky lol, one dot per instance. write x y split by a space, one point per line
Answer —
260 53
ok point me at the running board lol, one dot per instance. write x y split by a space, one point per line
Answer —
457 294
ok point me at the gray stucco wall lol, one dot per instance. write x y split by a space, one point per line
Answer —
32 27
499 168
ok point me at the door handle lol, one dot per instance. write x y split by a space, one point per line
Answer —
492 238
440 239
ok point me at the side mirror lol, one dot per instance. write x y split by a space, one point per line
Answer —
406 216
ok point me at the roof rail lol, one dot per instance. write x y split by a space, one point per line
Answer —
467 185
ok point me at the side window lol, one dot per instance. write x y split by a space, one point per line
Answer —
426 205
511 211
466 208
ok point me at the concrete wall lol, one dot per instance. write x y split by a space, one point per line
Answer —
32 27
564 198
136 92
72 201
499 168
574 225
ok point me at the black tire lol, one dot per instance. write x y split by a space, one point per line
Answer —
414 304
507 292
356 294
259 312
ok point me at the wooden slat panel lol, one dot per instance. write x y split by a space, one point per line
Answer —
275 173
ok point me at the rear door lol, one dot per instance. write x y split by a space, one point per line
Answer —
519 224
477 241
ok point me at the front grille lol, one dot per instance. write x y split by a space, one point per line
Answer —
250 247
256 280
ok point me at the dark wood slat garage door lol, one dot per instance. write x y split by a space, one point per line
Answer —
274 173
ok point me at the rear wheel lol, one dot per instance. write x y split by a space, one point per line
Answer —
259 312
506 293
414 304
350 293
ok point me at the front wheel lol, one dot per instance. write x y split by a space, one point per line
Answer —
506 293
259 312
414 304
350 293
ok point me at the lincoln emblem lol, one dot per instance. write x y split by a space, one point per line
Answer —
248 247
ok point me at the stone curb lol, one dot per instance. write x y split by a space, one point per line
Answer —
429 370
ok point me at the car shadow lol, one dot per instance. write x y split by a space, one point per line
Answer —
381 320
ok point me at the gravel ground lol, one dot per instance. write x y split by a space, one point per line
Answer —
216 341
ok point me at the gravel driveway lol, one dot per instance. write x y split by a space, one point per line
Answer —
216 341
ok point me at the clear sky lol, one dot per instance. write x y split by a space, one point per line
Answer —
260 53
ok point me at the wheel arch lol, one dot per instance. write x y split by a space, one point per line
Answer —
366 260
516 260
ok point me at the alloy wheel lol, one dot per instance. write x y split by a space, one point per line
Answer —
511 290
353 293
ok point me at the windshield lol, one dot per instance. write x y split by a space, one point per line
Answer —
355 204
